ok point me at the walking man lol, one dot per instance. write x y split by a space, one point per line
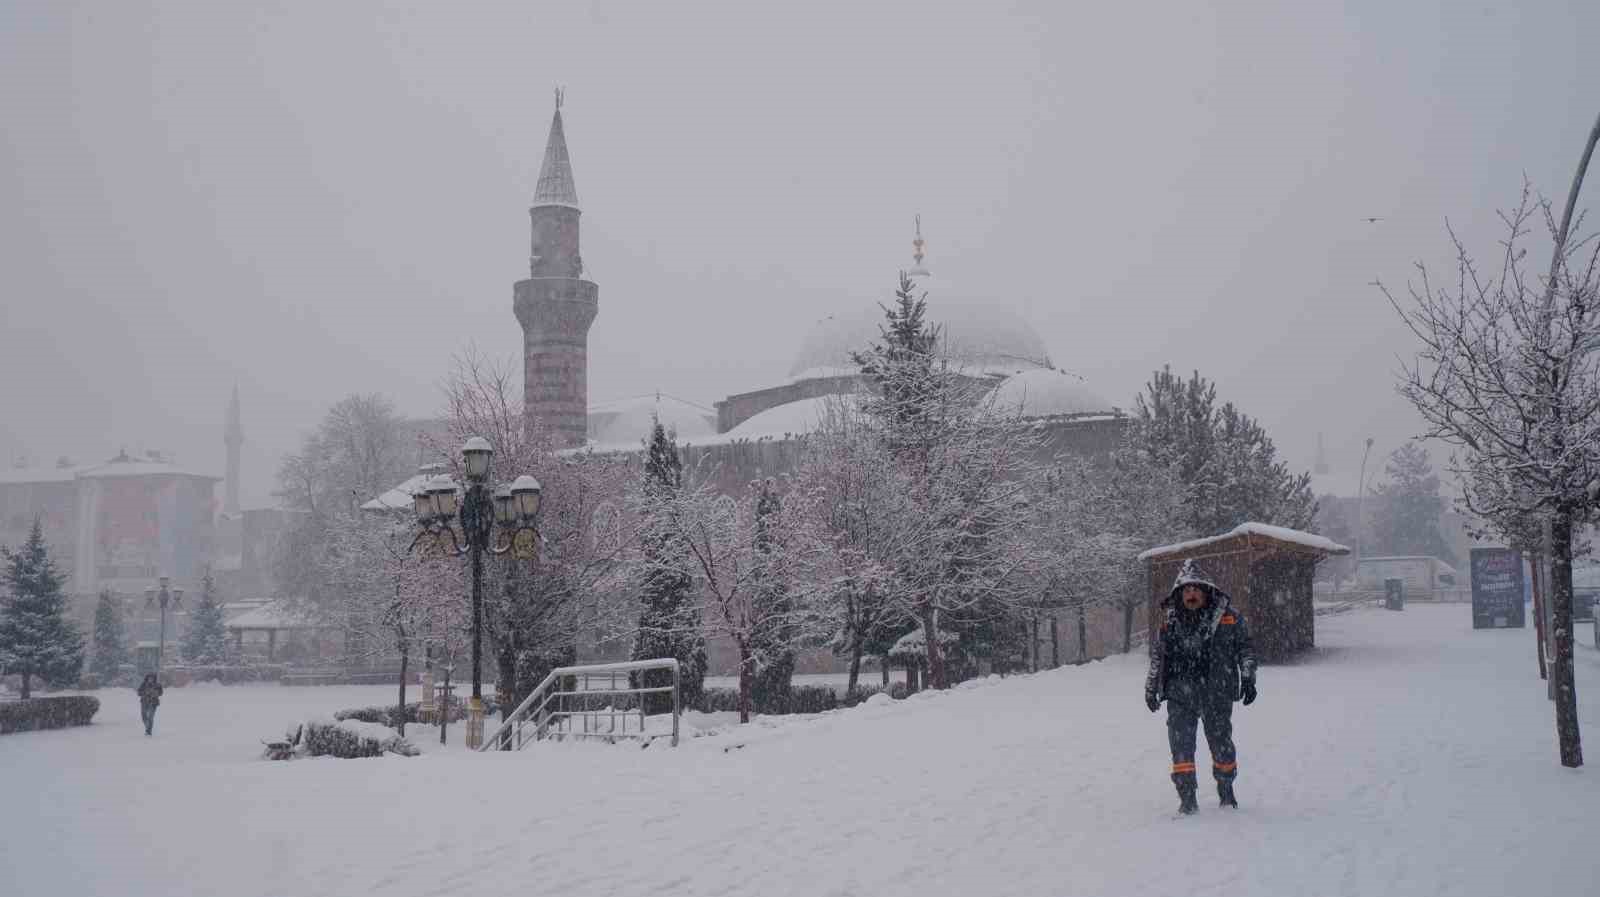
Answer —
1200 663
149 699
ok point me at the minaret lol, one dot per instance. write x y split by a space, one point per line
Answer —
555 305
917 269
232 437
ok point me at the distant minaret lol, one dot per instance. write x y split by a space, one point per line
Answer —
1322 458
232 437
917 269
555 305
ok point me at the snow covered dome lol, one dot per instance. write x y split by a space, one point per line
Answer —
625 423
1046 392
982 338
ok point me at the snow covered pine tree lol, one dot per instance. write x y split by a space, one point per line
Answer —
36 638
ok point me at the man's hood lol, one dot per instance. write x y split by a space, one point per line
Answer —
1191 574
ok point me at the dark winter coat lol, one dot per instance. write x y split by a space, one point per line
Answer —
150 693
1200 657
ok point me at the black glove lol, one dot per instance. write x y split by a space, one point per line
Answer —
1151 700
1247 690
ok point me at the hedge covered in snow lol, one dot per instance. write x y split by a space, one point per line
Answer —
350 739
47 713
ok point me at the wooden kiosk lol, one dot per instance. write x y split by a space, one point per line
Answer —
1266 570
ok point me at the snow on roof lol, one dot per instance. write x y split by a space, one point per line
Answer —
399 498
624 424
1046 392
19 475
277 615
121 466
1280 533
790 419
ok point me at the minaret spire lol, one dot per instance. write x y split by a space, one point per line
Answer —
556 186
232 437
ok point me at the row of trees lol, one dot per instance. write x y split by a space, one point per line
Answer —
919 514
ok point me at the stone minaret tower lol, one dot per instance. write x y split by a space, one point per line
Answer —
555 305
232 437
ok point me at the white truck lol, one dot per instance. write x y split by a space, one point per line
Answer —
1424 578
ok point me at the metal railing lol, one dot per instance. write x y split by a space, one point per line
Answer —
580 702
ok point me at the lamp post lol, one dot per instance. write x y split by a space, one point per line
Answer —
1361 497
165 596
514 509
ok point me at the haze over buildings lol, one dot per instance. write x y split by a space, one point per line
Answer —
311 201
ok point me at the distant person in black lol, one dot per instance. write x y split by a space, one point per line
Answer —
149 699
1200 663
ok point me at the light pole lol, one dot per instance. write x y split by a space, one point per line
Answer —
1361 496
514 509
165 596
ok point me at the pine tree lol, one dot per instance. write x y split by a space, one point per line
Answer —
206 642
1406 519
1224 457
669 624
110 640
774 642
36 638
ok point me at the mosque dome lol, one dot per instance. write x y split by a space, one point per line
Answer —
980 336
1048 393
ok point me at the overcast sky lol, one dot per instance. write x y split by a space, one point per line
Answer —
314 199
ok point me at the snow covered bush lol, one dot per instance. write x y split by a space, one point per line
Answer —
47 713
714 700
232 675
349 739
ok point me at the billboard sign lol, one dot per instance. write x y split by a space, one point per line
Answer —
1497 589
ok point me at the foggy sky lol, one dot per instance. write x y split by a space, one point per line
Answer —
315 199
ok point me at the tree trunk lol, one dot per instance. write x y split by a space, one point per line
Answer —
935 658
1055 643
1561 593
1083 634
883 667
1033 644
26 691
855 663
746 677
1127 627
405 656
1537 563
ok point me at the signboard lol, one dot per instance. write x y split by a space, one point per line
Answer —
1497 588
1394 594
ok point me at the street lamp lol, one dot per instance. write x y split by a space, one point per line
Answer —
513 510
1361 496
166 597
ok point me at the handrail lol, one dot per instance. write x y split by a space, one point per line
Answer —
537 705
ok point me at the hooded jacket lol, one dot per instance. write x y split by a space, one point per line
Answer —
1200 656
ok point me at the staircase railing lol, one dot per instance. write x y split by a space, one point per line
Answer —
580 702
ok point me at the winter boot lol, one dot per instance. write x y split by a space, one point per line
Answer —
1187 805
1225 796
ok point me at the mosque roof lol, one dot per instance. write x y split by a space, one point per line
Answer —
1046 392
625 423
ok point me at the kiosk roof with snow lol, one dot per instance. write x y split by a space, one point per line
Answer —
1266 570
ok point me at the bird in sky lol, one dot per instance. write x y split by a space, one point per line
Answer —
1372 220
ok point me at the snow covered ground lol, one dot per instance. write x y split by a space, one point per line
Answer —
1410 755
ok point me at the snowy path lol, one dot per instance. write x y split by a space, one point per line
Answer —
1411 756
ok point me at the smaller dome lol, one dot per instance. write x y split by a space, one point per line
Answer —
1047 392
626 423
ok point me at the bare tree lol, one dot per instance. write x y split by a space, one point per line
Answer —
1507 374
757 570
535 608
